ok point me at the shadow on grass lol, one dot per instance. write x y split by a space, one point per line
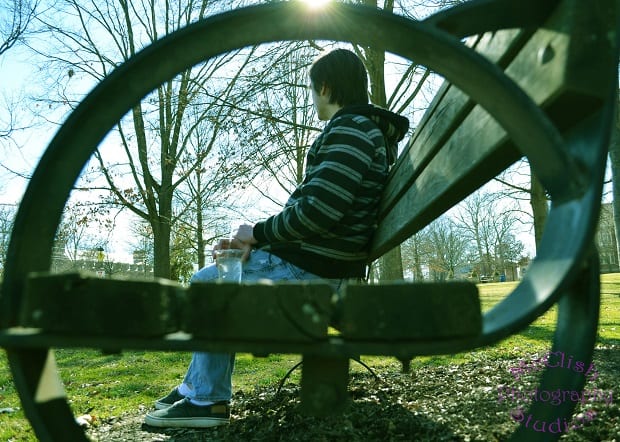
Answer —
277 417
433 403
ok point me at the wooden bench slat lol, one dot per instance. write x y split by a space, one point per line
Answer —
406 311
476 153
447 113
291 312
336 346
80 304
439 170
263 312
447 110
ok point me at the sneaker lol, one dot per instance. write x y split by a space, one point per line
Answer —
184 414
167 401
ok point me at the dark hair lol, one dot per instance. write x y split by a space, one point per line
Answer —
344 74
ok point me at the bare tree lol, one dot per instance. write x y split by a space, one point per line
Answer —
281 123
73 236
197 203
488 222
16 17
142 246
520 184
446 249
16 25
7 214
81 235
414 252
144 173
474 219
181 256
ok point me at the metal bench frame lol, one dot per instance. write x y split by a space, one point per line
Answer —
568 158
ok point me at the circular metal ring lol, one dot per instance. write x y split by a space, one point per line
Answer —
41 209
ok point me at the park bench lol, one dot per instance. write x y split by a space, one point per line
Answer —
539 80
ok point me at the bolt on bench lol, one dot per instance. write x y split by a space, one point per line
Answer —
539 80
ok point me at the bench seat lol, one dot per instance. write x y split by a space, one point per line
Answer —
250 313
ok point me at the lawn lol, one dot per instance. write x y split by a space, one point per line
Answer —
109 386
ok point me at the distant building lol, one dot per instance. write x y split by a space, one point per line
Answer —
103 269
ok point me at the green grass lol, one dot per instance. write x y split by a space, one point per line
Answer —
110 385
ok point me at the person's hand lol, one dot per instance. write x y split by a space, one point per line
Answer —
245 234
244 239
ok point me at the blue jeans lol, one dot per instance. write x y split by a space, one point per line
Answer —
209 376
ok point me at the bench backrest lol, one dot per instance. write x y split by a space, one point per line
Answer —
457 147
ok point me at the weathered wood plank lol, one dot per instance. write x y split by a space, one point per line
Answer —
34 338
81 304
261 317
457 150
404 311
476 152
298 312
446 112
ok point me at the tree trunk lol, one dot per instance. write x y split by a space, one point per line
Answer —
161 247
198 207
418 275
540 209
391 263
614 160
162 230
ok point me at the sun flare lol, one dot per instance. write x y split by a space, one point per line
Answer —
316 4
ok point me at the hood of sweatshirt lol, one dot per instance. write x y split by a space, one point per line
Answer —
393 126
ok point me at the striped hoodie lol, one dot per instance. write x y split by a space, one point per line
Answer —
327 223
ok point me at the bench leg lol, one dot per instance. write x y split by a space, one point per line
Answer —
575 337
324 382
